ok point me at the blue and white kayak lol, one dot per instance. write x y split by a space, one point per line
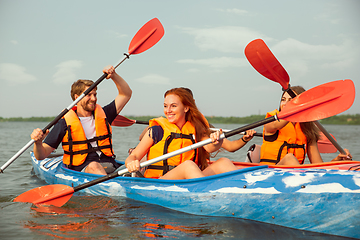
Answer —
318 200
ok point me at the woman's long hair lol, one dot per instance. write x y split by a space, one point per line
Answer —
196 118
309 129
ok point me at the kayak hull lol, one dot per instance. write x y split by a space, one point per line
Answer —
319 200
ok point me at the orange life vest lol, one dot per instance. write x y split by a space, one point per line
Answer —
289 139
76 146
173 139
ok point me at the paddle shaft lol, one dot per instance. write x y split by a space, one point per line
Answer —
242 133
321 128
66 110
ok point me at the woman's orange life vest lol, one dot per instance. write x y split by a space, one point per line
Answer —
76 146
289 139
173 139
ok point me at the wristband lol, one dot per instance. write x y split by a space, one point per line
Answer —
244 140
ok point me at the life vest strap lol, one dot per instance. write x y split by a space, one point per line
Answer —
89 150
289 145
268 161
168 140
166 168
110 136
88 140
70 145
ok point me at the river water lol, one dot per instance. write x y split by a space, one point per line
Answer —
98 217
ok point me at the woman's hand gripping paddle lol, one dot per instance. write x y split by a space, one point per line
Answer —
144 39
337 97
264 61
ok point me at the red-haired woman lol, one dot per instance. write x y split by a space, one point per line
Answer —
184 125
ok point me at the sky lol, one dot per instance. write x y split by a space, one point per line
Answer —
46 45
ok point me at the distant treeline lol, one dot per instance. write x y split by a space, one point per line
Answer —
31 119
347 119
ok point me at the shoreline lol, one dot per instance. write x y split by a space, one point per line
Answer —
346 119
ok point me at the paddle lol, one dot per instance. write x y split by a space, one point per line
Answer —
338 96
264 61
324 145
144 39
121 121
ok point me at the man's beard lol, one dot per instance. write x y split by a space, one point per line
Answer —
88 108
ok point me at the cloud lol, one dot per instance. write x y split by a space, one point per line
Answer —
14 42
15 74
235 11
154 79
329 14
217 63
226 39
116 34
310 52
302 57
193 70
66 71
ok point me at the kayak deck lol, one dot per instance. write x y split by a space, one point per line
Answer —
338 165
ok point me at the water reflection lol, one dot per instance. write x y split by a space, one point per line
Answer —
91 217
82 217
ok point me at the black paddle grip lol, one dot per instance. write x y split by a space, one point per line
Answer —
290 92
95 84
142 122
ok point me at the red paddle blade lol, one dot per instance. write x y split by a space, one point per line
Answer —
264 61
56 195
320 102
325 146
121 121
146 37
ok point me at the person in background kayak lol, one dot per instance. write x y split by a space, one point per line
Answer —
85 131
184 125
287 143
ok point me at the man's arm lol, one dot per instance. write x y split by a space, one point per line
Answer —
125 91
41 150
